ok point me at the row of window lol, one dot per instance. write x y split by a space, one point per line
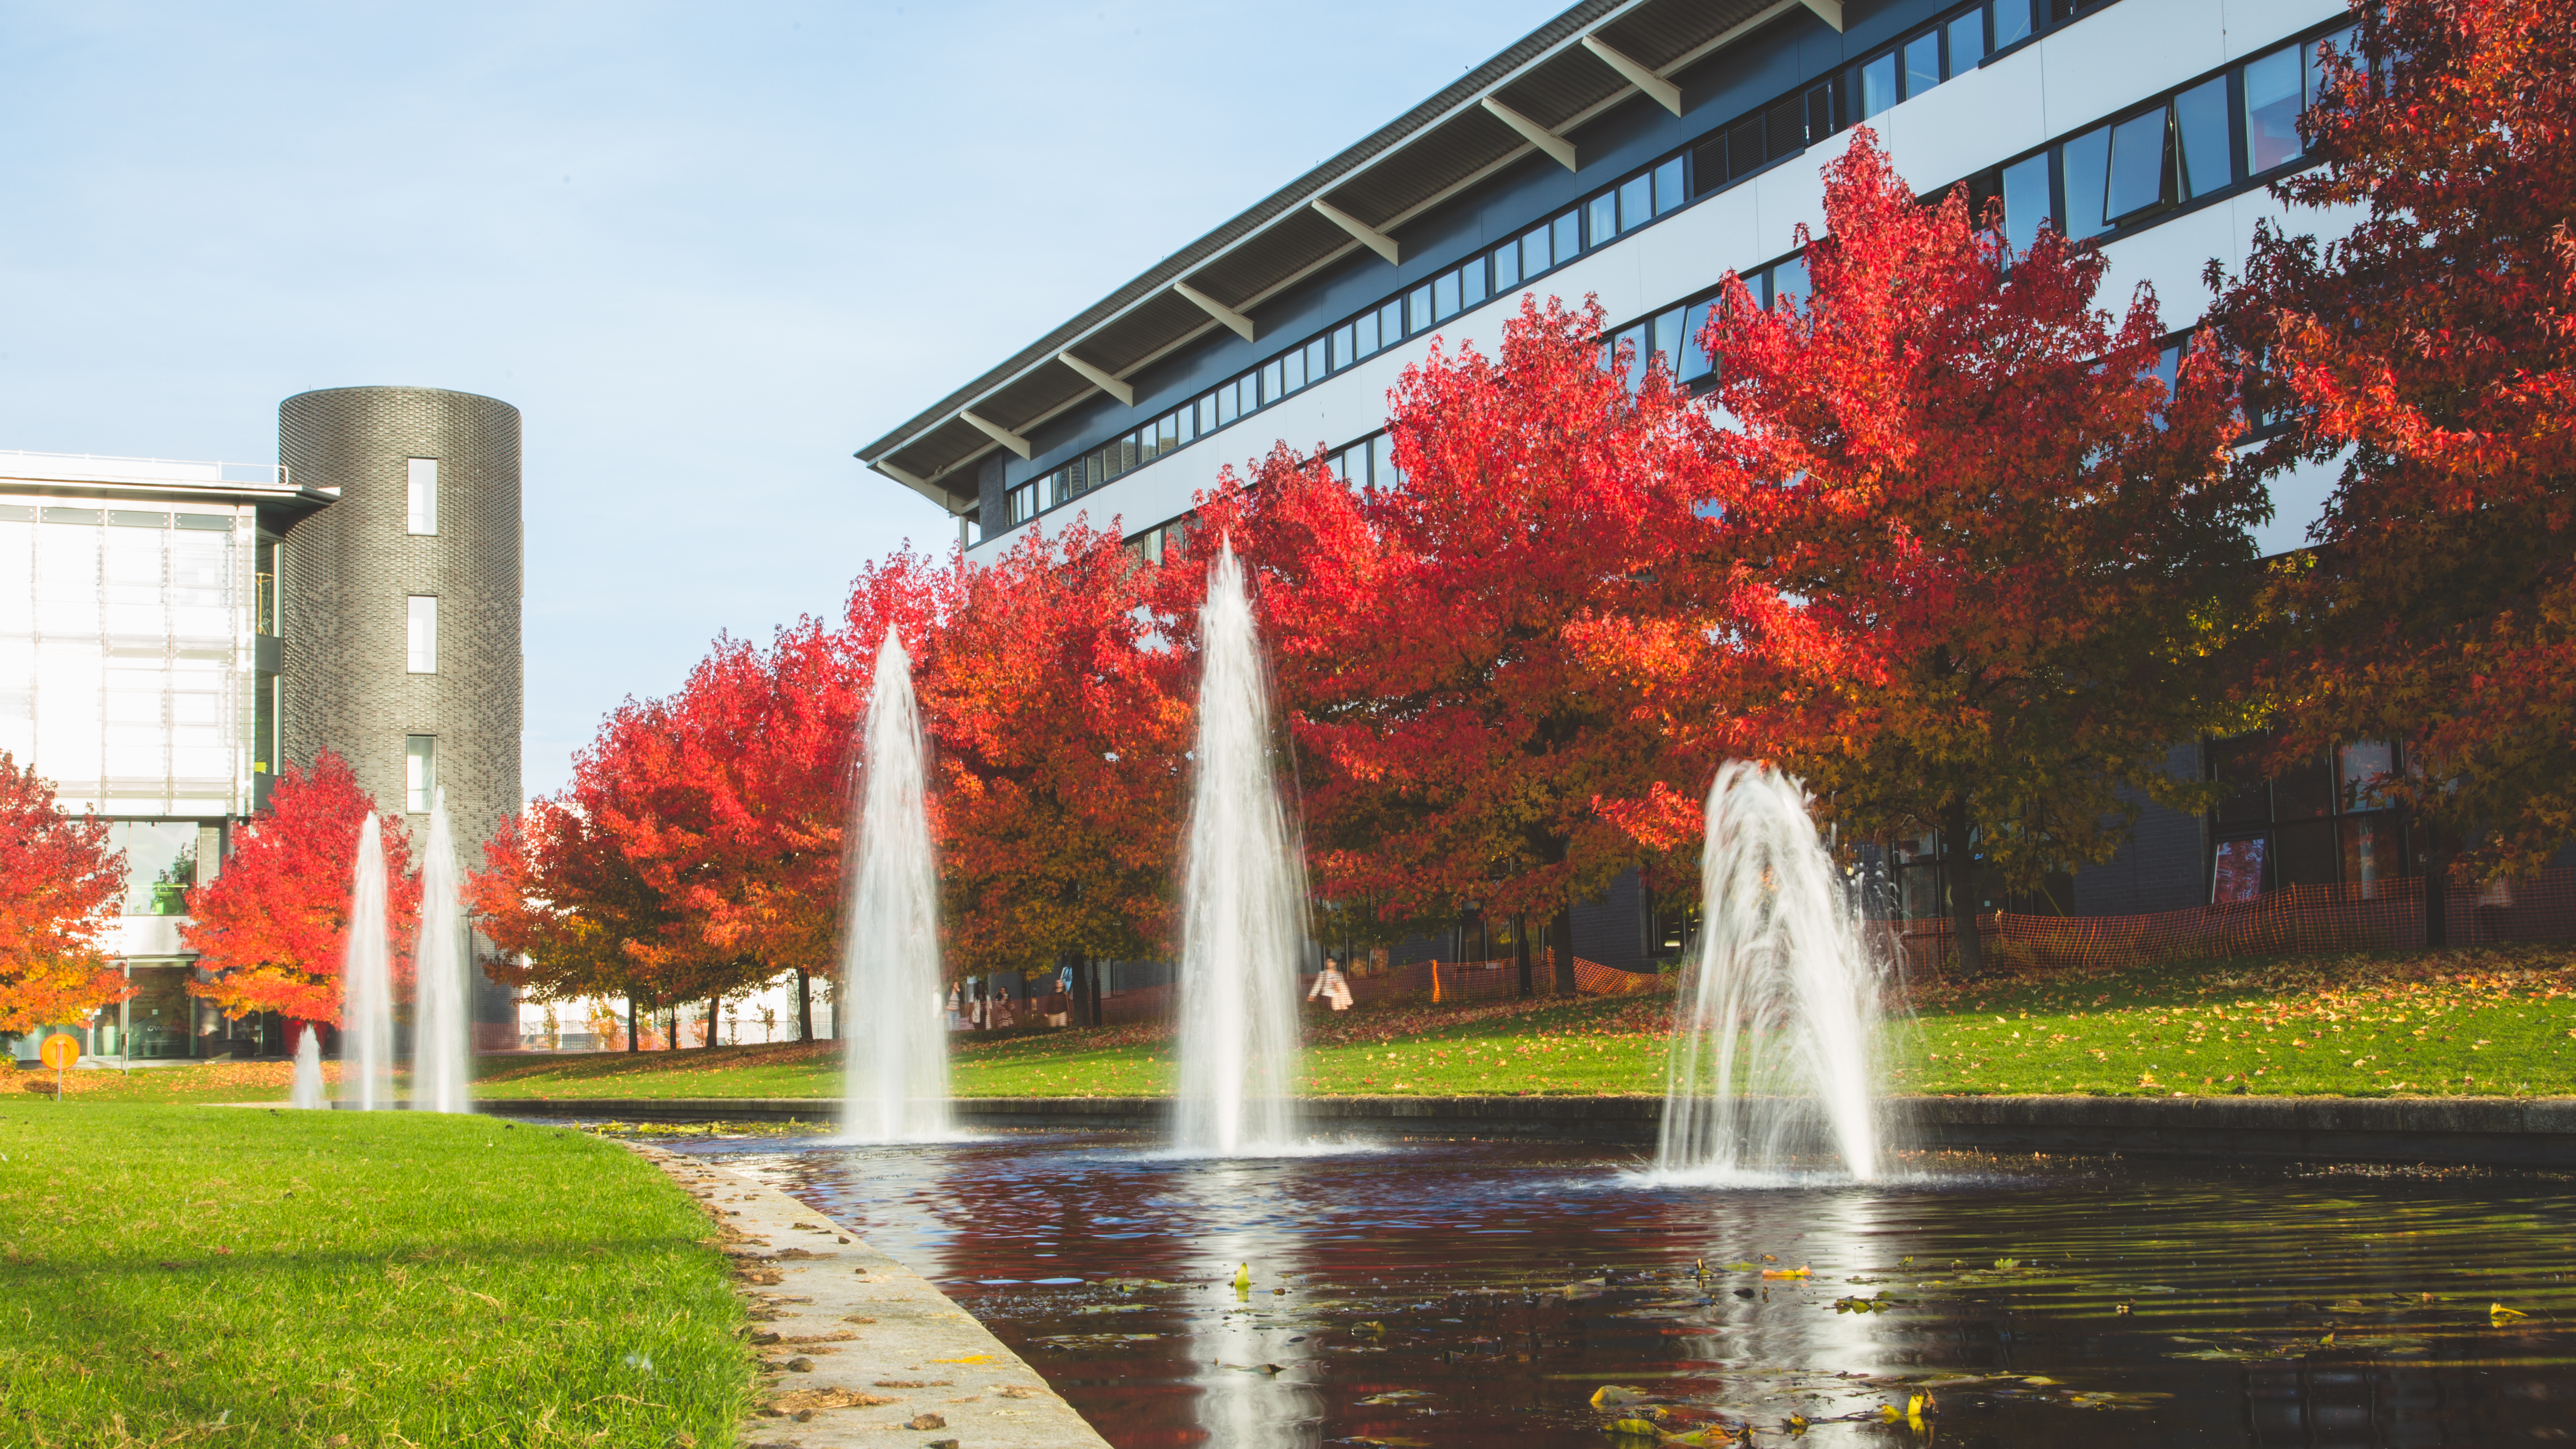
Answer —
2178 148
1368 463
1782 128
116 517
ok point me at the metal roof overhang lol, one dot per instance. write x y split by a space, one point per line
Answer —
1419 160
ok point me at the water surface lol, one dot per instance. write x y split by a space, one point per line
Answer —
1480 1294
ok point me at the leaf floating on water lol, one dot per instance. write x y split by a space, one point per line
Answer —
2006 1265
2499 1315
1611 1396
1788 1272
1632 1429
1372 1329
1740 1267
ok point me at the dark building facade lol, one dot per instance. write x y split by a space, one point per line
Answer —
400 608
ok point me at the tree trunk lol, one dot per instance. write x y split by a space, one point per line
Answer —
634 1039
1560 939
1961 874
804 1006
1092 969
712 1004
671 1021
1521 954
2437 881
1081 989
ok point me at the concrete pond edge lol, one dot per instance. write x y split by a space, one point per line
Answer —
855 1348
2507 1132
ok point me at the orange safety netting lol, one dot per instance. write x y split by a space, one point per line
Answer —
2540 907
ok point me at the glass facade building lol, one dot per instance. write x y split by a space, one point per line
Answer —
138 674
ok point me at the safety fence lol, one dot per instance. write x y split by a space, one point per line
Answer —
1443 982
2297 919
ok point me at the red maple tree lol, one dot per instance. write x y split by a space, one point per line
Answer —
2431 350
2020 556
60 882
1058 739
272 929
1437 642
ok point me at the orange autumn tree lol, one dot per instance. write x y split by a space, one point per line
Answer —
1057 739
2432 350
2025 554
272 929
60 882
1454 729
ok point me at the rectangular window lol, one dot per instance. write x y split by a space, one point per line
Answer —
1187 421
1922 63
421 495
1365 333
2200 122
1601 218
1020 505
2087 160
1968 41
1444 296
420 772
1789 281
1507 266
1417 310
1636 202
1669 340
2026 202
1670 193
1390 323
1345 346
2363 773
1534 252
1315 365
1695 363
1207 414
1877 85
263 728
1382 469
1274 384
421 634
2137 176
2272 105
2012 22
1471 282
1566 237
1225 404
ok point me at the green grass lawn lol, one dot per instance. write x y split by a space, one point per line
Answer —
2414 1023
230 1277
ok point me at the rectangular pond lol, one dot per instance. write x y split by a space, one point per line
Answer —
1456 1293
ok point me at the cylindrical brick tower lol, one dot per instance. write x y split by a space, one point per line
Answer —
400 608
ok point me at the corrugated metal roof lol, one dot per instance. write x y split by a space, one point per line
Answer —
1429 150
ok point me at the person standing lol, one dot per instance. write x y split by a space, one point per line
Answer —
1331 986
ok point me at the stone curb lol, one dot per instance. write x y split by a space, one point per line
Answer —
877 1344
2490 1131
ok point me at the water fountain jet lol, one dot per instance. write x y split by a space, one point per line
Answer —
442 1040
308 1070
1243 900
366 982
895 1086
1775 1054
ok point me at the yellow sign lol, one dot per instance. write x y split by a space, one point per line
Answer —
60 1052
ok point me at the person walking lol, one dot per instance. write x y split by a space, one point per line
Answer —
1331 986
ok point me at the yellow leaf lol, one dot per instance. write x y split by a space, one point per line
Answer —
1632 1429
2500 1315
1787 1272
1611 1396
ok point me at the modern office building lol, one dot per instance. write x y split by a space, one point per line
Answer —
1634 151
173 633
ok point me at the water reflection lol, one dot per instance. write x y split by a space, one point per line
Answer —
1482 1294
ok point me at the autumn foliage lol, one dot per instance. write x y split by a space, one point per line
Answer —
2430 354
59 885
272 930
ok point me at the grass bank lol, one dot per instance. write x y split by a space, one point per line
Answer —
177 1276
2488 1021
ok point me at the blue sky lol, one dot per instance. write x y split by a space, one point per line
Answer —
708 251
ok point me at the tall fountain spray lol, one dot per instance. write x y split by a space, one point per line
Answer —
442 1036
1774 1057
1243 901
308 1069
895 1087
367 983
